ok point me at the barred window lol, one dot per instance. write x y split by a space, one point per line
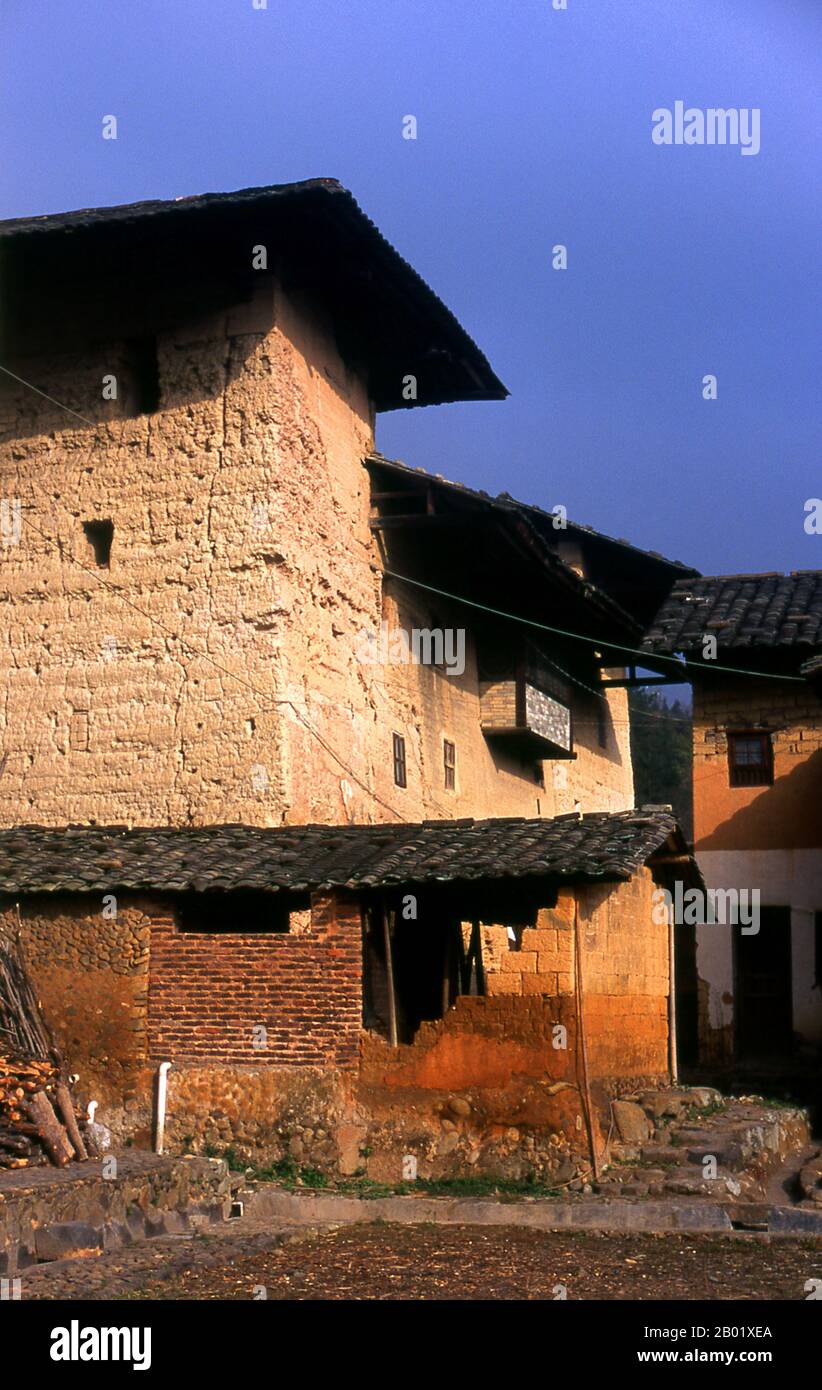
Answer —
750 759
400 775
449 759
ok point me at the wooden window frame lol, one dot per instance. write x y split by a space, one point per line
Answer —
750 774
400 762
449 764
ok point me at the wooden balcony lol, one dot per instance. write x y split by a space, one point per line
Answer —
526 718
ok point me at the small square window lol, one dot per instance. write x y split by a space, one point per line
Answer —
400 775
449 759
750 760
99 535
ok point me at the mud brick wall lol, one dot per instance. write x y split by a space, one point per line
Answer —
481 1043
428 705
489 1042
626 979
209 991
625 971
785 815
240 510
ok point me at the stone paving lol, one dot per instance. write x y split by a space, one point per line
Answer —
430 1262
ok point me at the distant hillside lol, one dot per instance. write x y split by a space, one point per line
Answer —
661 752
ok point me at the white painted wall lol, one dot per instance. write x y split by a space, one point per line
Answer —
785 878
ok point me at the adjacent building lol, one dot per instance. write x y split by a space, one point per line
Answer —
754 641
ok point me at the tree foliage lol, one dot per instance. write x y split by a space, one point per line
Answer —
661 752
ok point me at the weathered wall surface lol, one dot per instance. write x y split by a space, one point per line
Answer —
491 1087
626 979
625 972
428 705
126 991
91 972
514 1056
782 816
211 672
239 510
766 838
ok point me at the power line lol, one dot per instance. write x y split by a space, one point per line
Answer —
152 619
580 637
47 397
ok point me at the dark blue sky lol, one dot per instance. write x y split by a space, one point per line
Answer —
534 129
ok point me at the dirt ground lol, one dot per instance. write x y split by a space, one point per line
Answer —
387 1262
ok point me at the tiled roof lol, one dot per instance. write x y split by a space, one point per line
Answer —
741 611
322 233
504 501
603 845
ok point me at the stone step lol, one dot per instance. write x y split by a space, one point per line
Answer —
54 1214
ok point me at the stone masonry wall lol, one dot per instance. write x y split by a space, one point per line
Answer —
91 971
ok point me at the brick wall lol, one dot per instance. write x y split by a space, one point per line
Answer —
489 1042
625 971
209 992
784 815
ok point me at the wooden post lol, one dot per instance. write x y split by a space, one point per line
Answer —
389 977
476 951
672 1046
583 1047
446 966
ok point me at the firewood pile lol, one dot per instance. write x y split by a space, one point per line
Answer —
38 1123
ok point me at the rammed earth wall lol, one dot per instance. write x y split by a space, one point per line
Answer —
210 671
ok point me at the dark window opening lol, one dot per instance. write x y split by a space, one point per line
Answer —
237 911
99 535
400 773
602 722
750 760
449 759
432 962
145 374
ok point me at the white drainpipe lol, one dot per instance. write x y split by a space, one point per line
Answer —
160 1110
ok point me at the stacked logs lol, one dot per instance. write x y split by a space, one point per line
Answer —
37 1119
38 1123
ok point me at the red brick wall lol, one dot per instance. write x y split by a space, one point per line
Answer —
209 991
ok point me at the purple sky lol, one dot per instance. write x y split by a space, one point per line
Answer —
534 129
